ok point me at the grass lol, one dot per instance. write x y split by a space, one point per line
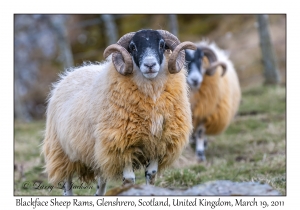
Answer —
253 148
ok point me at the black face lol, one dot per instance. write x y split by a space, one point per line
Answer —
194 58
194 64
147 43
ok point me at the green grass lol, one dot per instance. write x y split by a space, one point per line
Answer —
253 148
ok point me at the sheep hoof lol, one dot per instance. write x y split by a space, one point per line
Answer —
128 181
150 177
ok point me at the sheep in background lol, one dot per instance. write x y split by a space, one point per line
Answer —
129 112
215 93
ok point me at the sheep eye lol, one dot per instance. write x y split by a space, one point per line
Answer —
132 47
161 45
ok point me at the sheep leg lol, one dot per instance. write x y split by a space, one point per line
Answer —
200 148
101 186
68 187
128 174
150 172
201 143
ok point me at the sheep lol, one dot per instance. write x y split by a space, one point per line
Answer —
128 112
215 93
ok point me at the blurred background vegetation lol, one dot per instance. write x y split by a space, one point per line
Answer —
46 44
252 149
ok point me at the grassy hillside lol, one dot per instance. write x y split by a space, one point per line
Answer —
252 149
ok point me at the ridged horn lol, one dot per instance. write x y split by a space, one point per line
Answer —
120 56
212 69
214 63
177 58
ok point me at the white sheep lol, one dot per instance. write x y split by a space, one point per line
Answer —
215 92
105 120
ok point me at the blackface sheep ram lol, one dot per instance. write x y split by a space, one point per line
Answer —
215 92
131 111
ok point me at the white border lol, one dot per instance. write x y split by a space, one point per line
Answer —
124 6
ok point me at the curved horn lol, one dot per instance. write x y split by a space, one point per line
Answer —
124 40
177 58
209 53
121 57
212 69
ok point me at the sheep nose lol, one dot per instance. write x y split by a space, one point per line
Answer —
150 65
195 81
